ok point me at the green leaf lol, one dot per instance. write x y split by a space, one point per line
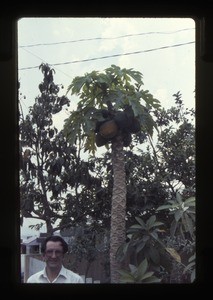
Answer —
174 254
188 224
190 201
133 227
178 215
150 100
142 268
141 222
191 258
72 127
76 85
193 276
133 269
90 145
173 228
136 75
146 275
162 207
179 198
140 246
152 279
126 277
154 234
188 267
150 221
158 223
137 108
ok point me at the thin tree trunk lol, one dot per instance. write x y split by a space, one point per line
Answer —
118 208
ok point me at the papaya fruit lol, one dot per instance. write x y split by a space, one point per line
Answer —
135 126
100 140
109 129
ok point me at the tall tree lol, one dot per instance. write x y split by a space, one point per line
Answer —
51 172
41 158
112 109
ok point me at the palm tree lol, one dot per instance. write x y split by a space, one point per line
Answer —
112 110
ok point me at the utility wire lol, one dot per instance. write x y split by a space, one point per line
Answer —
44 62
105 38
115 55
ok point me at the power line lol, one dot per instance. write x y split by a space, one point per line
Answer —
115 55
106 38
44 61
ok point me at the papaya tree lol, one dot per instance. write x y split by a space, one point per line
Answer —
112 111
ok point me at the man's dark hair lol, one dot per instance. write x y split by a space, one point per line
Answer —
54 238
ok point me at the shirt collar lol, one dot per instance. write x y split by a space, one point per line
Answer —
61 273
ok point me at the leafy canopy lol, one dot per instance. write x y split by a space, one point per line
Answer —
112 90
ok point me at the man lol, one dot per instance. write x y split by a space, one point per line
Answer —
53 250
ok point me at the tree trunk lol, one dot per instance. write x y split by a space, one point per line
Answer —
49 226
118 208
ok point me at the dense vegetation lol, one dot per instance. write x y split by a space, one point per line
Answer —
66 189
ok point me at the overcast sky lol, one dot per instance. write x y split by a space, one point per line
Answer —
162 49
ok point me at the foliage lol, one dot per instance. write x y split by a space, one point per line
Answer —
161 187
191 267
143 237
112 107
59 187
111 92
148 241
184 215
55 184
138 274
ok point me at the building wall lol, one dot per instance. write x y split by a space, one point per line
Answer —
32 264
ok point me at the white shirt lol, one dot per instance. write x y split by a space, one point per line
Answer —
64 276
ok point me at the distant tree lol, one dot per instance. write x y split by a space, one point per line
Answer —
54 181
158 170
161 198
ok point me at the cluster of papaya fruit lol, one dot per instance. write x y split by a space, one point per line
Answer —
120 122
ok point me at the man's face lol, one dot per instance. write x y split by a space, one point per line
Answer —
54 254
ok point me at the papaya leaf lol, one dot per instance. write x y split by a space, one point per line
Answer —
76 85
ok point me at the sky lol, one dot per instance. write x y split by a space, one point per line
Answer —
162 49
